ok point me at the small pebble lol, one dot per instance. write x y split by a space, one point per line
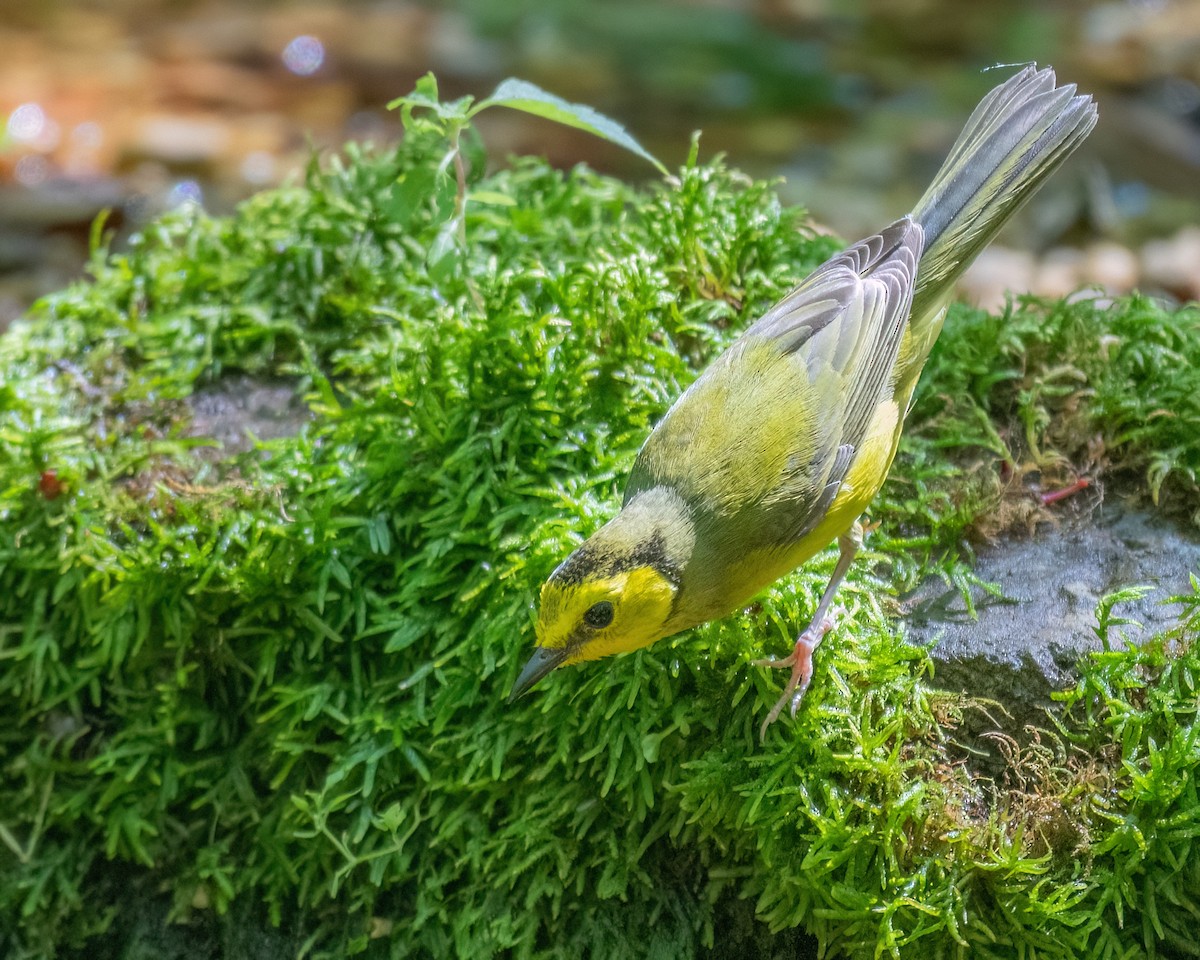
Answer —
1060 273
996 272
1174 263
1110 266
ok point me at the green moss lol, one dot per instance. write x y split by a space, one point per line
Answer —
1113 388
272 687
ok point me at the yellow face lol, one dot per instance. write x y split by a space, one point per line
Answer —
617 591
592 617
605 615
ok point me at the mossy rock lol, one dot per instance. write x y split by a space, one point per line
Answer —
266 688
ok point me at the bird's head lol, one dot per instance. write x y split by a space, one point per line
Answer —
617 592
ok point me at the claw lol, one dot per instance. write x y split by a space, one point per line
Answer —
800 660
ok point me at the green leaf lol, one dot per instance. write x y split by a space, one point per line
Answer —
415 189
406 195
492 197
445 251
1106 619
425 97
523 95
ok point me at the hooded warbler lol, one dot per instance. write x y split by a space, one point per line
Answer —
782 442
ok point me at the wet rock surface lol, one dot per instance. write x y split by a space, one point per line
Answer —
1027 643
238 410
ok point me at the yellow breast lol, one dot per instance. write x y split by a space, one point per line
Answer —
758 568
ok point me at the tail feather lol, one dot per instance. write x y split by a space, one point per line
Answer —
1019 134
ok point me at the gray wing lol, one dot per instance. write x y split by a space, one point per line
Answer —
845 323
849 317
837 336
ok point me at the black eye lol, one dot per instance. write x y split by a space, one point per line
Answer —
599 614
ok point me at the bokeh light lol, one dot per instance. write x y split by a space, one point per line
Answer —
304 55
31 170
185 193
27 122
88 135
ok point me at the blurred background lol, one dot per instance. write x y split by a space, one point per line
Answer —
139 105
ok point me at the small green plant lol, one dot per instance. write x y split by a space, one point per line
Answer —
264 693
423 111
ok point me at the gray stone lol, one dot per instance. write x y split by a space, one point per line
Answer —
239 409
57 203
1028 643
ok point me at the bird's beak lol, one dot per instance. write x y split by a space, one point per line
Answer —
541 663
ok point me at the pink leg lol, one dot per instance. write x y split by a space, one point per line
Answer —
801 657
801 662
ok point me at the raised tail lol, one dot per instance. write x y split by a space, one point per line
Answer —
1019 134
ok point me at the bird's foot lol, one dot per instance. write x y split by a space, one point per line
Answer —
801 662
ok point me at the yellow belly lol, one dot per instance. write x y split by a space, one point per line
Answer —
758 569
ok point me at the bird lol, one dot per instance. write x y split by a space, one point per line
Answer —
782 442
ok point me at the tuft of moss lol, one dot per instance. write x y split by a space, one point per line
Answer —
270 688
1084 385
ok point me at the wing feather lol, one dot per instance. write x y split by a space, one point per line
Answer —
849 317
771 427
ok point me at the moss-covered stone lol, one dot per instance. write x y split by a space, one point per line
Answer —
270 685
